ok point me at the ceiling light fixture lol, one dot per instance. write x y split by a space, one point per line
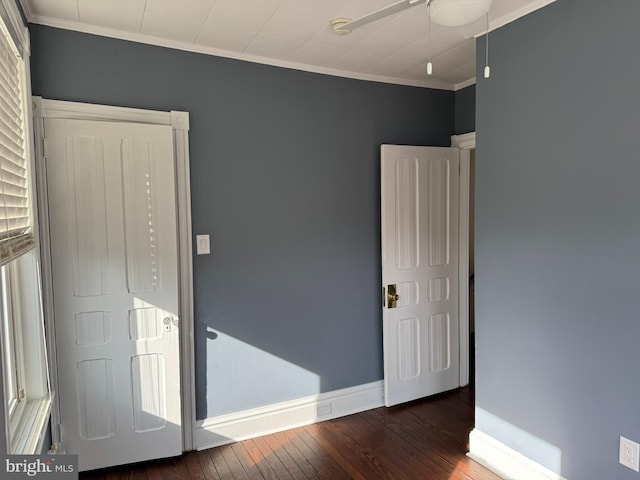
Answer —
456 13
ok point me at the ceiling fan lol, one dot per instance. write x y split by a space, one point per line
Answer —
449 13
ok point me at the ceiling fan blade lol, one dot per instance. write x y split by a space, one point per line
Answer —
381 13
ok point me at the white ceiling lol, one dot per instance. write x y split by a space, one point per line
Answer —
292 33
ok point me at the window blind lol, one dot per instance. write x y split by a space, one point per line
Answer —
16 237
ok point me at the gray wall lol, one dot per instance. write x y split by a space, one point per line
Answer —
557 236
285 177
465 110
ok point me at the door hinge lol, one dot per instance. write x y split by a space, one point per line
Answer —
21 394
45 147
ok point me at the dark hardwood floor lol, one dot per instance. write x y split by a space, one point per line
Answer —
426 439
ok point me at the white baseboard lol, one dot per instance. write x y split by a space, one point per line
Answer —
224 429
505 461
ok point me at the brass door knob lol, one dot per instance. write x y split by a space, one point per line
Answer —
392 297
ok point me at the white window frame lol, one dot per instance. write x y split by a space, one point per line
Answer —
26 419
12 331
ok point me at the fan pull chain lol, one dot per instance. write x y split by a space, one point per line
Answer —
429 64
487 68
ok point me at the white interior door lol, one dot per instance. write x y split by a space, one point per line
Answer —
419 209
112 209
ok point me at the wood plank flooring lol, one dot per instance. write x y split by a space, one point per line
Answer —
426 439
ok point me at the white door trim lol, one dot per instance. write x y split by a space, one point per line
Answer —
179 121
465 143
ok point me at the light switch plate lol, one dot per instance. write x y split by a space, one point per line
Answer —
203 245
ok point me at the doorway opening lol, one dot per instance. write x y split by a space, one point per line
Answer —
471 249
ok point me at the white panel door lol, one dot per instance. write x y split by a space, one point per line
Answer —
112 210
419 217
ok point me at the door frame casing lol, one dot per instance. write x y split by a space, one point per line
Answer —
465 143
179 121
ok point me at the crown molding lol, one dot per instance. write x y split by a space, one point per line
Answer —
190 47
465 84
